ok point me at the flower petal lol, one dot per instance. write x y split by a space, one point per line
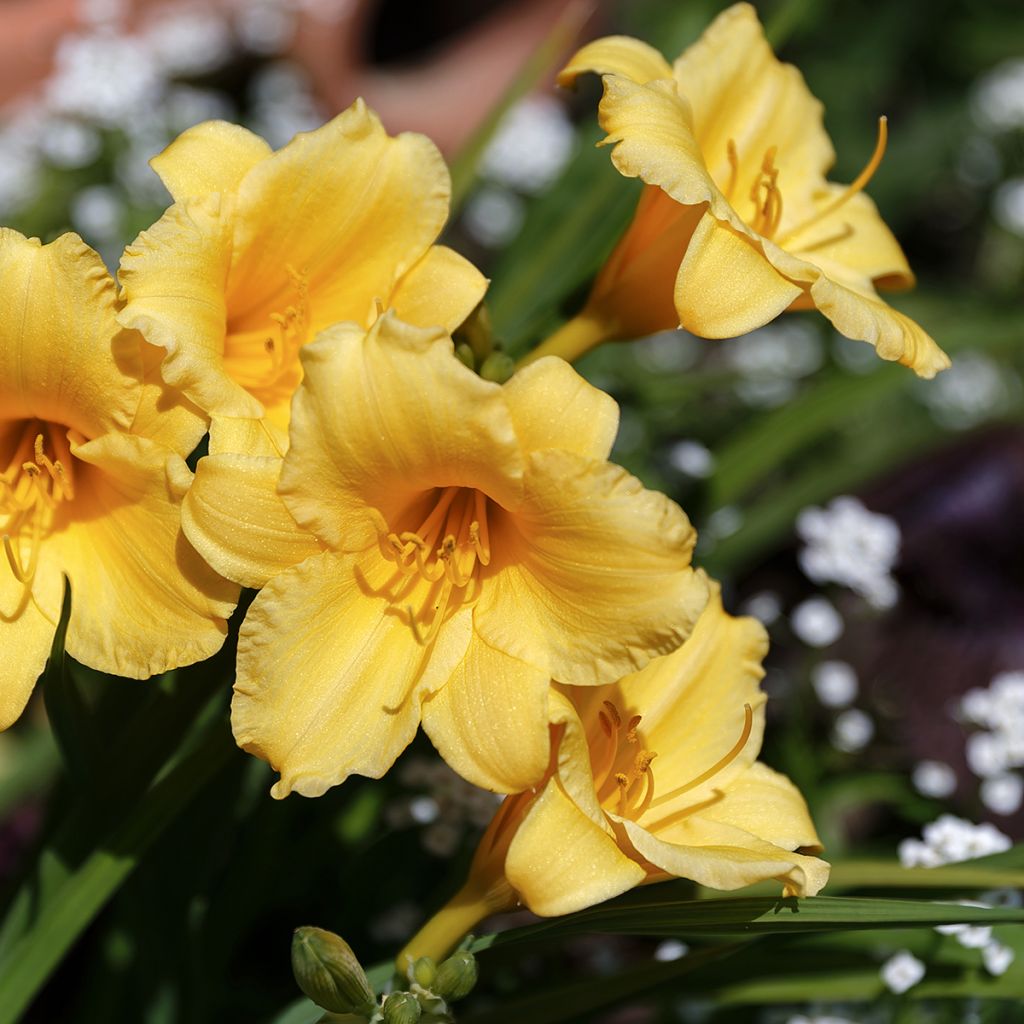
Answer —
616 55
726 287
441 290
172 283
234 518
722 857
552 406
691 706
739 91
490 722
560 861
383 417
27 635
766 804
210 157
594 576
61 357
348 207
330 677
143 600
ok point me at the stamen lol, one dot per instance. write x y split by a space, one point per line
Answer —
631 728
639 809
851 190
734 167
613 713
13 561
723 762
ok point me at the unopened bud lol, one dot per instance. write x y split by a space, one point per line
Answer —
465 355
423 972
456 976
497 367
328 972
401 1008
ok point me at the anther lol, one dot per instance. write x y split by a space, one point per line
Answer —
613 713
631 728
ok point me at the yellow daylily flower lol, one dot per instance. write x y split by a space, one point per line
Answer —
435 546
737 223
262 249
91 479
652 777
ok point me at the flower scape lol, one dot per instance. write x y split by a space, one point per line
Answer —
288 409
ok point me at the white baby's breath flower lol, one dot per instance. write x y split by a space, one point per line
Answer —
902 971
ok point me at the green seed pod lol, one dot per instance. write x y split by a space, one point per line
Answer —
497 367
327 971
401 1008
424 971
456 976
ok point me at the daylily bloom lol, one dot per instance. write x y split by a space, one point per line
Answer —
737 223
262 249
453 545
82 492
652 777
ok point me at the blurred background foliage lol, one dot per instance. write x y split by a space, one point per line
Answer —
180 906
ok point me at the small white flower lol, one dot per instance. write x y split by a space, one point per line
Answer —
976 387
671 949
902 971
913 853
997 102
531 146
934 779
848 544
97 212
835 683
764 606
997 958
986 754
816 622
493 216
853 730
724 522
692 459
1003 794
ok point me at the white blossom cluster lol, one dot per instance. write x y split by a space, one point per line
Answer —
446 807
949 840
531 145
997 748
109 78
848 544
772 360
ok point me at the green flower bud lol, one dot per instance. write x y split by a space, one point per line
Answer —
327 971
424 971
497 367
401 1008
465 355
456 976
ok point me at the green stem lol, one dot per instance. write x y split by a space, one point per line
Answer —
575 338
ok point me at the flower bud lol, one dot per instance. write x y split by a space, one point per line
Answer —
423 972
497 367
327 971
456 976
401 1008
465 355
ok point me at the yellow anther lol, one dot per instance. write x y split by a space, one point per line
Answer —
613 713
631 728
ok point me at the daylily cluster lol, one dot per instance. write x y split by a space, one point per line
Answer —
431 546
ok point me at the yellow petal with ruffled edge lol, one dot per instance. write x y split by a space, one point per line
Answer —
766 804
329 675
412 418
172 285
560 861
210 157
27 634
616 55
440 290
143 601
61 357
738 90
552 406
723 857
596 575
725 286
489 722
349 208
233 516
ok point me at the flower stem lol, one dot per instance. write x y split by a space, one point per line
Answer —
573 339
466 909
